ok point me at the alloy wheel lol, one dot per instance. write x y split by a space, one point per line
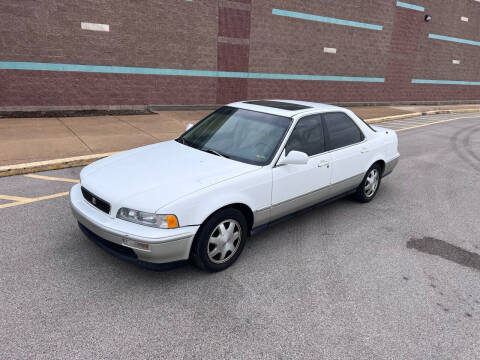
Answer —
224 241
371 182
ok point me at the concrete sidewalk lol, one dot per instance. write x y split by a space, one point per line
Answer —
26 140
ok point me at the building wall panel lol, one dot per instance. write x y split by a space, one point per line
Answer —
228 50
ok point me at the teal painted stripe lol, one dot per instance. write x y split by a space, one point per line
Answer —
324 19
14 65
410 6
454 39
444 82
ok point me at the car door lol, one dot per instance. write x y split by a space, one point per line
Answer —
346 143
297 186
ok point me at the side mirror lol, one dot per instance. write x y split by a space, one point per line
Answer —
294 158
189 126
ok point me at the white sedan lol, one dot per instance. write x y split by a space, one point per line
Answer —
247 164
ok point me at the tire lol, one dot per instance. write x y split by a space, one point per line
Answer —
372 179
220 240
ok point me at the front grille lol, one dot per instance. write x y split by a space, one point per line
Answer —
96 201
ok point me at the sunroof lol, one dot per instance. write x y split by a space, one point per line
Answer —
278 105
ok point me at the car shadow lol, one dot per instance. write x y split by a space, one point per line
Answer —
282 235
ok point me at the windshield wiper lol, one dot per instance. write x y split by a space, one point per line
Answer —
211 151
186 142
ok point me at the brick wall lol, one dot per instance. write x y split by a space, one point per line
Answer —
237 49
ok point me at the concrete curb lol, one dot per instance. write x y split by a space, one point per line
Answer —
18 169
393 117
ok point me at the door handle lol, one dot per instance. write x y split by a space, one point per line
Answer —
323 163
364 150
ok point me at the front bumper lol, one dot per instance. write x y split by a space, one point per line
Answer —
118 236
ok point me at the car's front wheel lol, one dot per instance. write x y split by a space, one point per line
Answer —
220 240
367 190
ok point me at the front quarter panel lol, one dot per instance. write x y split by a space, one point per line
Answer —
253 189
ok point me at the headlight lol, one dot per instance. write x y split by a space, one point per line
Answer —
148 219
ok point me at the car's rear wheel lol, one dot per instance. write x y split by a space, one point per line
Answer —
367 190
220 240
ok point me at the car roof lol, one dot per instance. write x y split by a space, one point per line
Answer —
287 108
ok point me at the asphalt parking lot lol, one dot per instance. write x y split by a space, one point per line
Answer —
397 278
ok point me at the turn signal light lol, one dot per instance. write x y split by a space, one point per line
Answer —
172 221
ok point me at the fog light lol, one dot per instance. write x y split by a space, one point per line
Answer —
136 244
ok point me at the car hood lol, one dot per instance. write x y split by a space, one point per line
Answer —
153 176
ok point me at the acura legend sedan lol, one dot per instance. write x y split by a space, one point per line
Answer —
249 163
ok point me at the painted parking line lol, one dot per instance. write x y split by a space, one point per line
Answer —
418 121
407 123
404 124
13 198
395 127
23 201
18 200
51 178
438 122
388 123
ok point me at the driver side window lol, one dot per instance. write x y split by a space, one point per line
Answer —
307 136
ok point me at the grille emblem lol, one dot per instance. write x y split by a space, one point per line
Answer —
96 201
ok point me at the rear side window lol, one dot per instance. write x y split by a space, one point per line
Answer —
342 131
370 126
307 136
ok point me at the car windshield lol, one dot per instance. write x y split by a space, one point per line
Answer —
244 135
